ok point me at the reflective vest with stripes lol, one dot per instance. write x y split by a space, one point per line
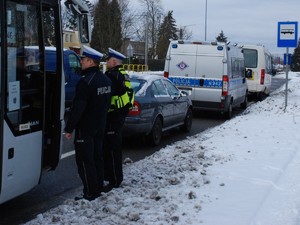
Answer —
127 99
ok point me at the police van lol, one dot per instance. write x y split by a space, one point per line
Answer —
213 73
258 60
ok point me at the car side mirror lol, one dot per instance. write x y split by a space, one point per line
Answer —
248 73
183 93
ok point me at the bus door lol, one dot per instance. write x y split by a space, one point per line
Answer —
31 99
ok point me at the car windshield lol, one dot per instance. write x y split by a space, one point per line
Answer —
137 86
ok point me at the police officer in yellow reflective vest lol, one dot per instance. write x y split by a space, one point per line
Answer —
121 101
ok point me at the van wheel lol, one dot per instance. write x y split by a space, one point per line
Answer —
228 114
156 133
245 103
260 96
188 120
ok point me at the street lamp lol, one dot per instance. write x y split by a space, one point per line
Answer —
205 20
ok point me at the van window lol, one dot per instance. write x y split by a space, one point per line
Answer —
237 65
268 61
250 56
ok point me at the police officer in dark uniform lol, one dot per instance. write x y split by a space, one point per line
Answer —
88 117
122 99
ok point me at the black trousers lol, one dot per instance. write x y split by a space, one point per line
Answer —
89 160
112 152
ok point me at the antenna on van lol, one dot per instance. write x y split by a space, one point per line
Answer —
228 42
235 44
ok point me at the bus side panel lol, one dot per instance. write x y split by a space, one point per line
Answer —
21 163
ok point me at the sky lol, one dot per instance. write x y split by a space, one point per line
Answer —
249 22
242 172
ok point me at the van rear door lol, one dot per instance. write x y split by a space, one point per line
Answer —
211 66
181 66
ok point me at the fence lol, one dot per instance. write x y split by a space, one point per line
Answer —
136 67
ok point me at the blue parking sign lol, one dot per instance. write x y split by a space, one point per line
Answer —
287 34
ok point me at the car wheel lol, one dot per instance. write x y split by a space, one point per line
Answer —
188 120
156 133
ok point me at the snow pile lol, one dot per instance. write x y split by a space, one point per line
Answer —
245 171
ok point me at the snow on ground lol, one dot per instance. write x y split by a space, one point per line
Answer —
243 172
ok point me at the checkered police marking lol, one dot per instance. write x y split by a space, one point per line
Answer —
182 65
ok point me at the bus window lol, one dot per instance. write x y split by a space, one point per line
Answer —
24 82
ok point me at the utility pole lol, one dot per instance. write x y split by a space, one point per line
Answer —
146 41
205 20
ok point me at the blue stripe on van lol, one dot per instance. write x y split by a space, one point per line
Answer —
206 83
182 81
213 83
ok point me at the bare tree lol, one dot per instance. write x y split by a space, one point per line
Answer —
127 18
185 33
152 14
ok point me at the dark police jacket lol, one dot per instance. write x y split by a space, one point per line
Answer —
91 102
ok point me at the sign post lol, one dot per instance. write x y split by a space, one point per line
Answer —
129 51
287 36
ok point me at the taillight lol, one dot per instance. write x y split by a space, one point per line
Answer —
225 85
166 74
136 109
262 76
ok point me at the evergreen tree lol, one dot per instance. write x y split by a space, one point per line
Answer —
107 26
167 31
295 65
100 38
115 26
221 37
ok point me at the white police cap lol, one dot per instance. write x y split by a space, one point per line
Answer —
91 53
115 54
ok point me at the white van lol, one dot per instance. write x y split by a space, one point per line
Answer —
258 60
213 74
